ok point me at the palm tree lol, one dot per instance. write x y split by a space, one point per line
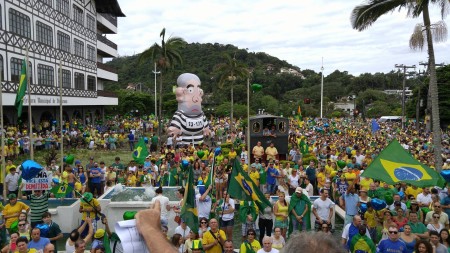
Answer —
166 56
228 72
366 14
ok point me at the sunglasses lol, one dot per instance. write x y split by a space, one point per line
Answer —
20 225
203 222
437 206
393 232
436 217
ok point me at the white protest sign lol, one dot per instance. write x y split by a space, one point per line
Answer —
43 181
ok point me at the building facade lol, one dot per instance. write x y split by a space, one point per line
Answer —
65 41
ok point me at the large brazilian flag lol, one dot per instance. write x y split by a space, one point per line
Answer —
395 164
243 188
189 212
140 152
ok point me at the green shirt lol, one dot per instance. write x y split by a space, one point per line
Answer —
417 228
117 166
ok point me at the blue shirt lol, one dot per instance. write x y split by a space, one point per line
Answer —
96 171
388 246
39 245
131 137
311 173
272 179
351 200
445 202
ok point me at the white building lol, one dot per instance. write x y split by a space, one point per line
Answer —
70 32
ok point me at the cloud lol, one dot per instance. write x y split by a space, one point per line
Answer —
299 32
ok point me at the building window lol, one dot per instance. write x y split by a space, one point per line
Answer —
91 53
78 15
19 23
91 83
63 41
47 2
78 48
90 22
44 33
1 18
46 75
79 81
63 6
16 68
66 78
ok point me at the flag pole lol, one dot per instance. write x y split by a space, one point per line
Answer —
61 148
30 123
3 171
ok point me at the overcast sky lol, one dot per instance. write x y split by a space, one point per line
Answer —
299 32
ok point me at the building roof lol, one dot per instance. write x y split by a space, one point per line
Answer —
110 7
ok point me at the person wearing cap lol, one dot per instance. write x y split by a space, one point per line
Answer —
299 211
12 210
99 234
397 203
196 247
89 207
244 165
254 174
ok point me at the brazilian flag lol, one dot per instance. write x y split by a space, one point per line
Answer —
362 243
307 203
304 149
243 188
395 164
22 88
140 152
189 212
60 190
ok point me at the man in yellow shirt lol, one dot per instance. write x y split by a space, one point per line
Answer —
271 152
244 165
214 239
89 207
258 151
254 174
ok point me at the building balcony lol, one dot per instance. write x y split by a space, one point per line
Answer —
106 72
11 87
104 93
106 23
105 47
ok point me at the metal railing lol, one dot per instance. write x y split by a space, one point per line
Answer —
106 41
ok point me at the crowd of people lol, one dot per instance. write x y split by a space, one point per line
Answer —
416 221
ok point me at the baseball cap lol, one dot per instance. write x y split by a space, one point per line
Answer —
298 190
99 233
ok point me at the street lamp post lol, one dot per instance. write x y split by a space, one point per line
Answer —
321 93
156 72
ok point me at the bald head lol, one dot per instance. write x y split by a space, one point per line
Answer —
49 248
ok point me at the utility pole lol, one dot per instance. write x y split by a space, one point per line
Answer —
428 109
321 93
404 67
156 72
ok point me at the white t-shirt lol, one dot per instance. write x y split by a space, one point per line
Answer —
293 181
203 206
225 207
310 189
183 232
164 201
323 207
263 251
421 198
13 181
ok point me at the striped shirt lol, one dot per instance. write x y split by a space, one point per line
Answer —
191 127
38 206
